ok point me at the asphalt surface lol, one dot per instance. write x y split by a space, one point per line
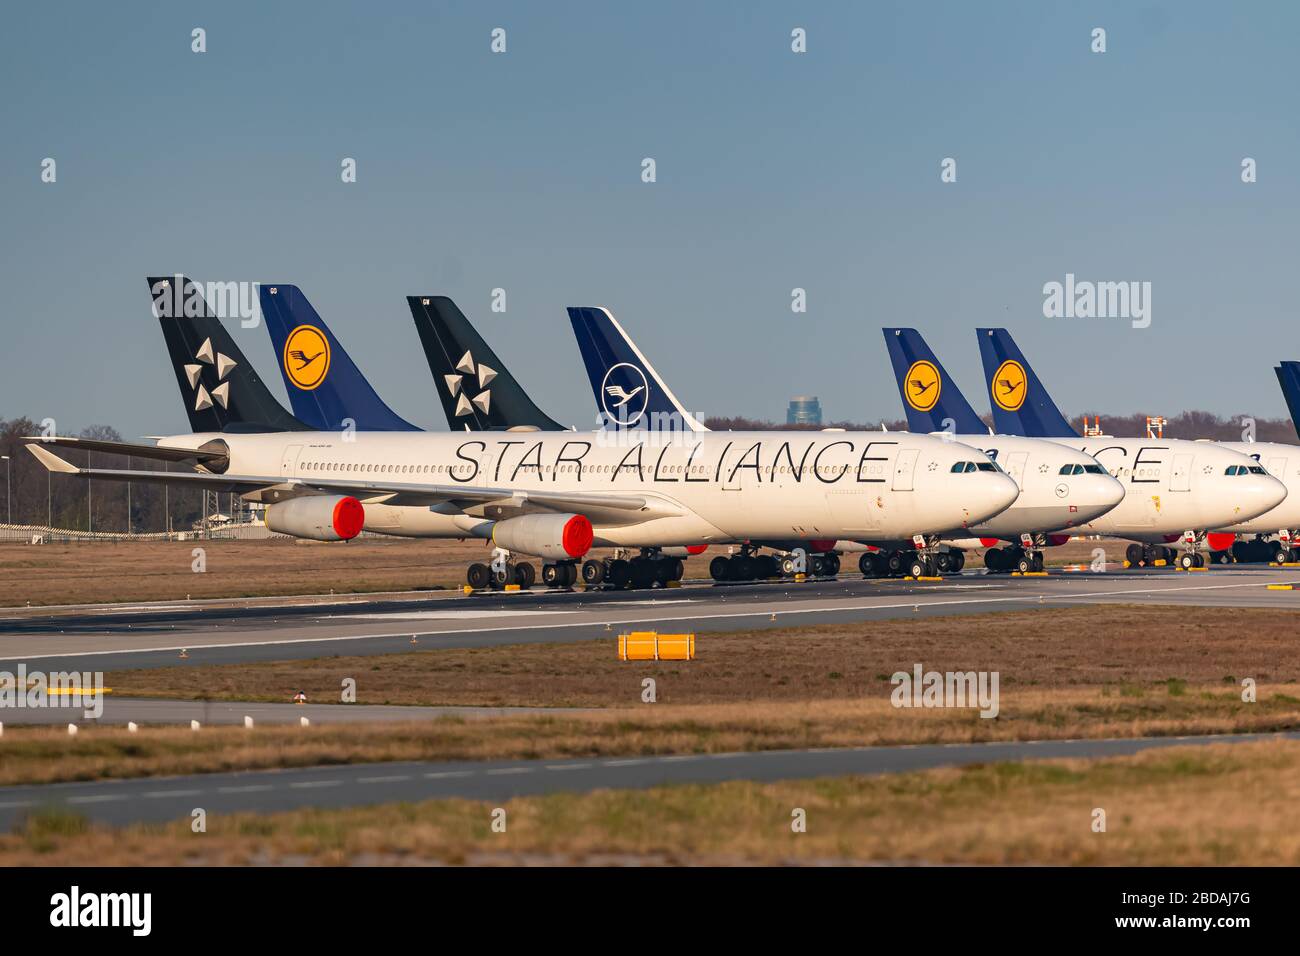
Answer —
158 799
154 635
123 710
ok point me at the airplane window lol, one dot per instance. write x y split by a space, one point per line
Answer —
986 466
958 468
970 467
1232 470
1094 470
1256 470
1065 470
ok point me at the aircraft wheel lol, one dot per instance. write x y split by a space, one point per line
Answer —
478 576
1025 564
832 564
1281 555
1223 557
766 566
742 568
919 567
619 573
896 562
1187 560
958 561
1038 560
525 575
787 566
993 559
1135 554
867 565
943 562
552 575
643 574
720 568
593 572
818 565
570 574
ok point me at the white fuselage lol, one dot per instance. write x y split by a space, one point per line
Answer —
1049 500
699 487
1172 486
1283 463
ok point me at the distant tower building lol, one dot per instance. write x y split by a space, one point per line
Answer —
804 410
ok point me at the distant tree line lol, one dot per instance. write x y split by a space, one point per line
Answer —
38 495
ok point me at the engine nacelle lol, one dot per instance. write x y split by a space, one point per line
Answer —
319 517
558 537
684 552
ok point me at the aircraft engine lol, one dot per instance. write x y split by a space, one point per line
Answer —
562 537
319 517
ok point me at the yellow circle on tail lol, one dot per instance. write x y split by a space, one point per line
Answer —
1009 386
922 385
306 357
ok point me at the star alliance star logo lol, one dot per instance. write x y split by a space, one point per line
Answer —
222 364
456 386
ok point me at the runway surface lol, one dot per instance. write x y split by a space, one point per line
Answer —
231 632
157 799
150 712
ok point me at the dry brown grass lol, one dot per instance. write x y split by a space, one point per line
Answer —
1084 647
161 570
1221 805
44 755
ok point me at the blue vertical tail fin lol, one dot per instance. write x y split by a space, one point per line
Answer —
326 389
1288 376
629 392
1021 405
931 400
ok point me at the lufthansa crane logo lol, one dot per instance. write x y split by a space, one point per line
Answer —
306 357
624 394
922 386
1009 384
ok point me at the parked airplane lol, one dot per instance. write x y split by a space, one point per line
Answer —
1176 491
610 355
1060 488
553 495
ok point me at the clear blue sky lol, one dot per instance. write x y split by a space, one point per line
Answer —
775 170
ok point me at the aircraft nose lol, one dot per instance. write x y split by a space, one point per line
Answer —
1108 490
1260 493
1093 496
997 493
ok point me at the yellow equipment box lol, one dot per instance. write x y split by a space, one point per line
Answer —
652 646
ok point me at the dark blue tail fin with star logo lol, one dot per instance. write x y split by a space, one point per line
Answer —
1288 376
931 400
629 392
326 389
477 391
1021 405
220 389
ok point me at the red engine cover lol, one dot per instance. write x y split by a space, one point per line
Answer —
1056 540
696 548
348 518
821 545
577 536
989 542
1220 540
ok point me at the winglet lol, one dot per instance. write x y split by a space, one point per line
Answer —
53 462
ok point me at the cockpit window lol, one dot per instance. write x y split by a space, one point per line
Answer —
1256 470
963 467
1094 469
986 466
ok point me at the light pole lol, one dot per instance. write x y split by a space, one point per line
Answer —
9 514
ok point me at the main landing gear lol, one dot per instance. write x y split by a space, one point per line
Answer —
501 572
1280 551
1146 555
649 569
749 565
1014 558
917 564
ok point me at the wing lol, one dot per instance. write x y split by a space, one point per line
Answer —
127 448
270 489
